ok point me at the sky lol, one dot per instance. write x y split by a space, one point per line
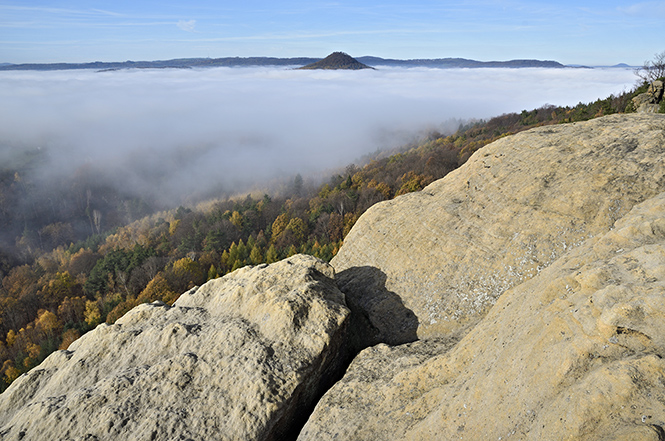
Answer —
598 32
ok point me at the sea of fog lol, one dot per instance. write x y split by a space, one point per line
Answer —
174 132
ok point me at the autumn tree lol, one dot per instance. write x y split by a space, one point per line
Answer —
93 313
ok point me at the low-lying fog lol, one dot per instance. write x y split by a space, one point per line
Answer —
173 133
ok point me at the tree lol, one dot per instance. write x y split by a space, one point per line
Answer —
299 228
72 309
256 256
237 220
297 185
272 255
11 373
279 225
93 315
62 285
83 261
652 69
11 338
59 233
68 337
158 289
224 262
212 272
185 274
48 323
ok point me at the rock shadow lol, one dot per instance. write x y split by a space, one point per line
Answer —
377 315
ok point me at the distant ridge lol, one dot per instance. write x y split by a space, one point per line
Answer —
338 60
178 63
450 63
367 61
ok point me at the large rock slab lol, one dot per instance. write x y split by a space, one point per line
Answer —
244 357
574 353
432 263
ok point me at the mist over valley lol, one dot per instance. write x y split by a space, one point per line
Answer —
85 151
176 135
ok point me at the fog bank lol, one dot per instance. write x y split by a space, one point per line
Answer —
173 133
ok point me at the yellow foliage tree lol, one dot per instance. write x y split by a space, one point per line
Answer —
11 337
72 309
173 226
279 225
158 289
48 322
33 351
298 227
185 274
92 315
237 220
11 373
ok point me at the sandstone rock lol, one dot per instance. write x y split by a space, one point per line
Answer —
432 263
656 90
574 353
649 101
243 357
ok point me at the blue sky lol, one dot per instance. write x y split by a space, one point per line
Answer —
572 32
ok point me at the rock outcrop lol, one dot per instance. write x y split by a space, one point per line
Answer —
244 357
650 101
575 353
431 264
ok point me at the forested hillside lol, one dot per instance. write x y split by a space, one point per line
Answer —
81 254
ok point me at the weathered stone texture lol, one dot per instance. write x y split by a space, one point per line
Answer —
649 102
575 353
432 263
243 357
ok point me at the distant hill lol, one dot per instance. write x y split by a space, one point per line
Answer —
178 63
449 63
618 66
367 61
338 60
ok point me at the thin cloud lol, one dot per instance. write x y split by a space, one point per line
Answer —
644 9
51 10
187 25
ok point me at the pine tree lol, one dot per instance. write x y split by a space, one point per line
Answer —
256 256
271 255
212 272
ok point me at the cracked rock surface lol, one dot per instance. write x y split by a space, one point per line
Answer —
243 357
